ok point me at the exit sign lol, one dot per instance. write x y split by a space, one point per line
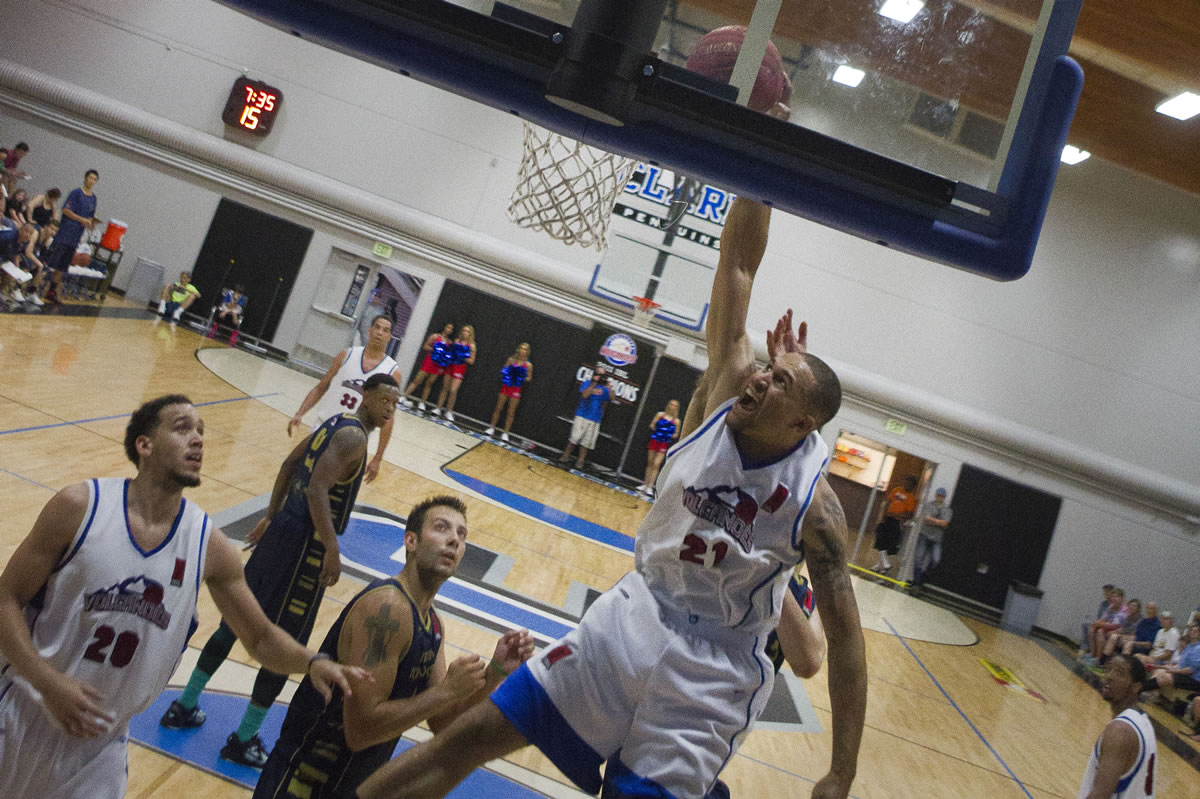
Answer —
896 426
382 250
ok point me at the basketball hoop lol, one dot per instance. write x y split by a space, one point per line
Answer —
644 310
567 189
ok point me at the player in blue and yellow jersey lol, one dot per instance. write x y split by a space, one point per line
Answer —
517 371
393 632
296 555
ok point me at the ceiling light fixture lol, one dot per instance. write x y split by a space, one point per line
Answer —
902 11
1181 106
1072 155
848 76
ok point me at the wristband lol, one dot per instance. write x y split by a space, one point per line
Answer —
315 658
800 589
496 667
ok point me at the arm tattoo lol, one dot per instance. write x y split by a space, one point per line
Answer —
380 629
827 559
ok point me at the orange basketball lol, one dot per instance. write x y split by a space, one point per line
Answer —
717 52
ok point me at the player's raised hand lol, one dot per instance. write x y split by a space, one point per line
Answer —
465 676
514 648
326 673
75 706
256 534
783 339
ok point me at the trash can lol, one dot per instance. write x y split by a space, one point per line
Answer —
1021 608
145 285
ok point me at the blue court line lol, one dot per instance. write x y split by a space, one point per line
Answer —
371 544
123 415
27 480
547 514
954 704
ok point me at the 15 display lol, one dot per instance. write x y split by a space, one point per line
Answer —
252 106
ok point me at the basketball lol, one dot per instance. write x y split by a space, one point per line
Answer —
716 53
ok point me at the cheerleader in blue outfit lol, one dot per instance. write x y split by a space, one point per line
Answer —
517 372
664 430
438 356
462 354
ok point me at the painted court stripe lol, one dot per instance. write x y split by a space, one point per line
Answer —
123 415
547 514
954 704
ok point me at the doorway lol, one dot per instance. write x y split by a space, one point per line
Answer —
874 482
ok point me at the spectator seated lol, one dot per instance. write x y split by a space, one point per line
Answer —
228 313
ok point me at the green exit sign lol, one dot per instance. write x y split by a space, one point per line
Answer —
896 426
382 250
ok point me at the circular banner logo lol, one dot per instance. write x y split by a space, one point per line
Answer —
619 350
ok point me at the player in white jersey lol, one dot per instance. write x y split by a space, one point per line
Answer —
1123 760
340 390
666 672
96 607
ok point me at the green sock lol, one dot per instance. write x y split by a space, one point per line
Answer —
251 721
195 686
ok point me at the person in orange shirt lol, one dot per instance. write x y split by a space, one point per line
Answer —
902 502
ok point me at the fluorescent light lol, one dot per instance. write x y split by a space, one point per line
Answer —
1073 155
901 10
848 76
1181 106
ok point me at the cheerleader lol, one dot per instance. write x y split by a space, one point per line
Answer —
517 371
664 430
462 353
437 358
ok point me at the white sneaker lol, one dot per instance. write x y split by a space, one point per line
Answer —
641 489
17 295
405 402
420 406
162 307
36 300
437 411
178 313
491 431
449 416
504 437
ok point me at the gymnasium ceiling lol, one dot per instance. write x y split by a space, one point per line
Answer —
1134 55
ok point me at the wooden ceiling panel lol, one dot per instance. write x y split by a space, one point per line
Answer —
954 49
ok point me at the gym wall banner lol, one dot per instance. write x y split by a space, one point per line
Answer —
628 361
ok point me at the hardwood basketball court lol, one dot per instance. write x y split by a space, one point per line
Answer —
938 724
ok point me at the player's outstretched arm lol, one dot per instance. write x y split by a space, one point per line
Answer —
730 353
825 534
318 391
1118 751
338 462
75 705
266 643
385 435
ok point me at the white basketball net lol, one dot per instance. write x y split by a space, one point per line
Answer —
567 189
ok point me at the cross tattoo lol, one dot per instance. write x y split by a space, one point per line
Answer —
380 629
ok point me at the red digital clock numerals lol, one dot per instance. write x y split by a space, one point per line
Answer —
252 106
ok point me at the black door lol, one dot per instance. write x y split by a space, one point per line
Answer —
266 253
1000 532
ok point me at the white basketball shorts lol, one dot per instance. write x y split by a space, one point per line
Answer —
37 758
642 688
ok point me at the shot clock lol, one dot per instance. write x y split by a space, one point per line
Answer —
252 106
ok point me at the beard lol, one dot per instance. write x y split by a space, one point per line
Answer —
185 480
